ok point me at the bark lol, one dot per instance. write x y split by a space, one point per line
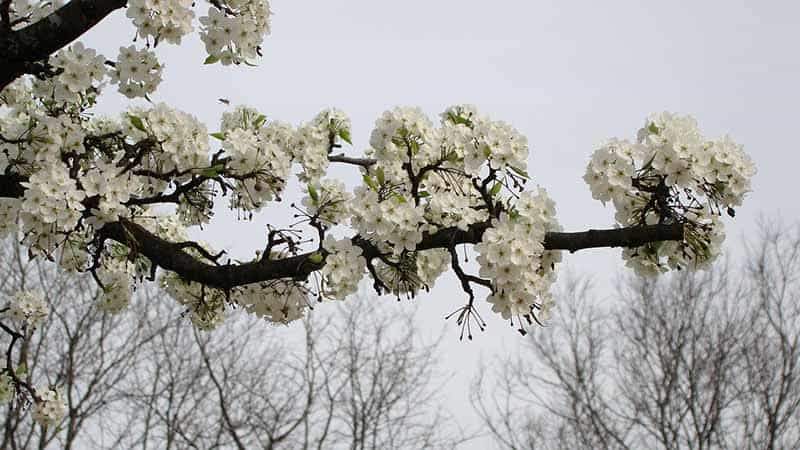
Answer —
21 49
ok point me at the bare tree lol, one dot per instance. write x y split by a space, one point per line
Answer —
361 378
700 360
79 348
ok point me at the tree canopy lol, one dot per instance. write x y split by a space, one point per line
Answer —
117 197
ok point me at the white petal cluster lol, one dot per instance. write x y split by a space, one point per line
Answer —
511 256
394 220
167 20
671 173
205 306
431 264
344 268
112 190
82 69
261 167
313 141
329 200
137 72
234 35
183 140
50 408
28 307
51 204
117 278
279 301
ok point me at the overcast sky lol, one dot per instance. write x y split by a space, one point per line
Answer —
568 74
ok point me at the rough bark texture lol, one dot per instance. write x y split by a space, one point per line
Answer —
171 256
20 49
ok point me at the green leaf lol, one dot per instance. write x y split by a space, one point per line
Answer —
653 128
423 194
400 198
137 122
259 120
381 176
219 135
22 369
520 172
211 60
370 182
209 172
315 257
313 193
344 133
496 189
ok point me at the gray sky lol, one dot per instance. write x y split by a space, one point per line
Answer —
568 74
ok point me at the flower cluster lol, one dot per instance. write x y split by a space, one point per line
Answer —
328 200
670 174
344 268
511 255
234 33
117 278
313 141
137 72
167 20
279 301
260 167
51 204
205 306
29 308
394 222
50 408
179 142
82 69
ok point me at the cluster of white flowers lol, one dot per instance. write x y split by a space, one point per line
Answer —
344 268
672 173
182 140
50 408
82 69
279 301
261 168
137 72
234 35
167 20
28 307
395 220
117 278
51 204
329 200
511 255
313 141
449 209
113 191
205 306
431 264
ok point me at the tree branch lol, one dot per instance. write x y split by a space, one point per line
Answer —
171 256
20 50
